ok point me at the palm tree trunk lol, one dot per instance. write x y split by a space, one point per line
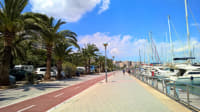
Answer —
59 69
48 66
89 65
4 66
12 62
86 69
99 67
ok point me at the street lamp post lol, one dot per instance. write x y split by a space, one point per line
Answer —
105 45
113 61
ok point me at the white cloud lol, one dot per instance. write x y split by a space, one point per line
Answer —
120 46
70 10
183 47
195 24
105 6
114 51
127 47
126 38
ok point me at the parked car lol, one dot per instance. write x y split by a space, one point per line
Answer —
81 70
56 72
42 70
19 74
28 68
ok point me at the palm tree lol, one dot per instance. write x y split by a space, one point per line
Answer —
64 48
48 32
100 61
11 23
89 52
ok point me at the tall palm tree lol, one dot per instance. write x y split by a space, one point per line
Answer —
64 48
11 23
48 32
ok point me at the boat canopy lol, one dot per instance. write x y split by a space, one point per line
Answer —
184 58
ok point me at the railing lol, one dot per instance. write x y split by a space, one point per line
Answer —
186 94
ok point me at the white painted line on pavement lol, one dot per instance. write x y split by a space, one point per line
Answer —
26 108
58 95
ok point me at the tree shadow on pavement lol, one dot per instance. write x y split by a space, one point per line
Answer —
8 98
51 84
42 86
73 79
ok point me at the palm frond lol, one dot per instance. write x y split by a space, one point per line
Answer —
72 42
68 33
58 24
1 5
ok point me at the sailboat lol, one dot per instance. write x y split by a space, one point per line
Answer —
188 74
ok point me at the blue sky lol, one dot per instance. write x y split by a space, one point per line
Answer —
125 24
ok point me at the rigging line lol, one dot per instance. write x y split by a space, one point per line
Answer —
175 31
178 37
156 52
193 17
197 25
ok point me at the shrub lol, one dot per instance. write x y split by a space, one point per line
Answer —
69 69
31 78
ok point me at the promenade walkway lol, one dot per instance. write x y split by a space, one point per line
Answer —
122 93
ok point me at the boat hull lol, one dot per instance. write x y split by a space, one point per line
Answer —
188 80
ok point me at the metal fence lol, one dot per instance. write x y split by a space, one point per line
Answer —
188 95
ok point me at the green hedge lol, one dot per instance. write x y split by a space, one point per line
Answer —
69 69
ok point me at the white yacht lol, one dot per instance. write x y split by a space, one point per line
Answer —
187 74
164 72
146 70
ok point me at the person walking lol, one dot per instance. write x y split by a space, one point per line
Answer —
123 71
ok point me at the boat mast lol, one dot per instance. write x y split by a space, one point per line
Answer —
150 38
144 54
140 56
170 37
188 32
167 47
148 52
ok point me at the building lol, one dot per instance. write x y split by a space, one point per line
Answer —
126 64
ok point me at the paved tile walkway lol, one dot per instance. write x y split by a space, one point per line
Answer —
122 93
